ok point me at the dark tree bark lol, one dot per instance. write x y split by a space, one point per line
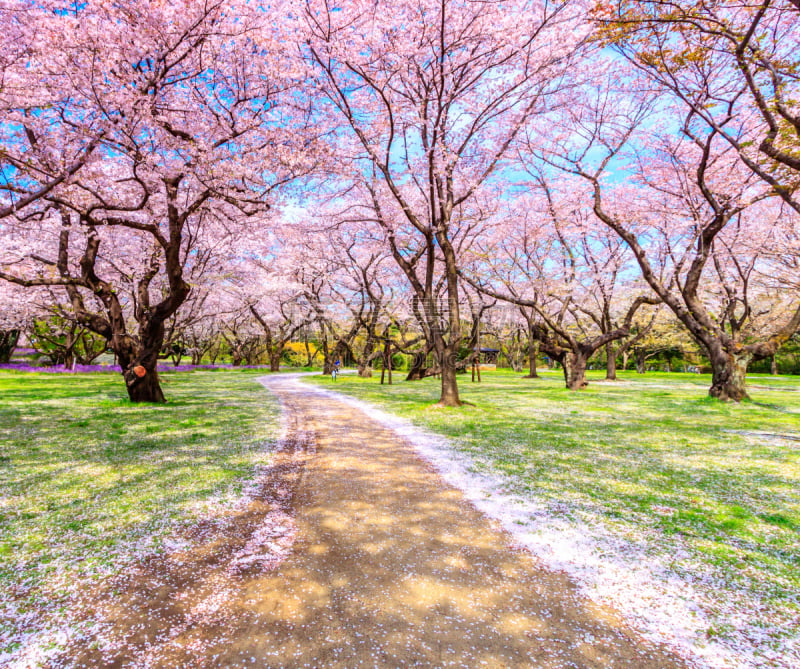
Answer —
611 363
533 354
8 342
275 361
440 322
450 397
137 355
366 358
641 360
575 363
558 341
728 373
419 366
277 337
720 335
476 367
140 372
387 362
327 361
244 347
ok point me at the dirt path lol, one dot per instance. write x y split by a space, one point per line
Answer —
390 568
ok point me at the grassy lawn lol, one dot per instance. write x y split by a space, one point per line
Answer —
89 481
711 490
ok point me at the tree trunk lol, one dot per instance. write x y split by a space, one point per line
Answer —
416 371
729 371
533 353
252 354
365 360
309 357
625 360
476 367
419 369
611 363
575 370
275 361
8 342
448 349
139 369
449 396
515 362
640 361
773 366
144 389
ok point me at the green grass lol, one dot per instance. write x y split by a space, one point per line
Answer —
652 459
89 481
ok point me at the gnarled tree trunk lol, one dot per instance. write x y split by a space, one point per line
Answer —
139 362
8 342
275 360
146 388
729 371
575 370
640 361
419 366
367 356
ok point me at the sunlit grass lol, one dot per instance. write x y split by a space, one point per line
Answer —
89 481
652 459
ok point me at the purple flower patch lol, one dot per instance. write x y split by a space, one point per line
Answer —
82 369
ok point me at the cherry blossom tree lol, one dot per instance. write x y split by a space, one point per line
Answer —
699 222
37 151
559 261
641 328
510 336
195 327
202 337
279 307
732 66
242 334
364 278
431 95
198 110
16 313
